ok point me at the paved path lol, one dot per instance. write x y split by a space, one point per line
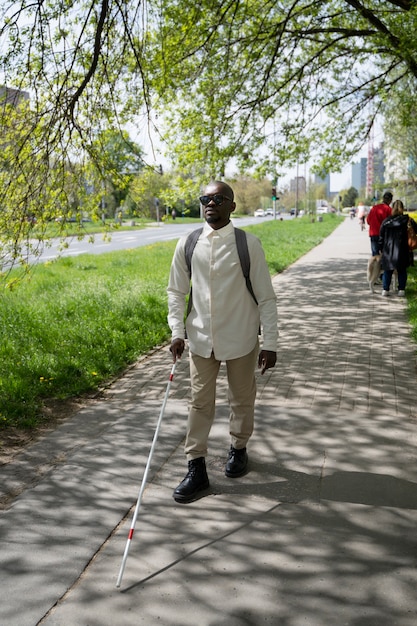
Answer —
320 532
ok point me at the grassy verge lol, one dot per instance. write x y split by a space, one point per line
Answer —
285 242
80 321
411 293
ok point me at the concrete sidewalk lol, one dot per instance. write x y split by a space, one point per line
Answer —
320 532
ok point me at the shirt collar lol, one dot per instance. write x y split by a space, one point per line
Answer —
223 232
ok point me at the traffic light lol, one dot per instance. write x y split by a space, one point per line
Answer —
274 193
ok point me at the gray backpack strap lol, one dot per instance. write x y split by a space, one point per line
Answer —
243 252
190 244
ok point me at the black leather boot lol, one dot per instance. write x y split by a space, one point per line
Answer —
237 462
195 481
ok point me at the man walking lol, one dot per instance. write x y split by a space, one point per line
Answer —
375 218
222 325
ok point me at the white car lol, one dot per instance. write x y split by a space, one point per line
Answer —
269 212
259 213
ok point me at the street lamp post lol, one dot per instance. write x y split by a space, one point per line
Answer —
296 191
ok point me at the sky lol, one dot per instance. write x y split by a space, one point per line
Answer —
338 180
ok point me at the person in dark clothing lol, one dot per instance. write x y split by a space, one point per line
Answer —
393 244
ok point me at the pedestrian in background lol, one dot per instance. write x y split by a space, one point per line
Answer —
362 215
393 242
223 325
375 217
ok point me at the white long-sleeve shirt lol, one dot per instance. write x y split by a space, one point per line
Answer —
224 318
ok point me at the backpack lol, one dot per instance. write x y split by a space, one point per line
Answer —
243 252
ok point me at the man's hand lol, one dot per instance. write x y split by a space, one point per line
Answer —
266 360
177 348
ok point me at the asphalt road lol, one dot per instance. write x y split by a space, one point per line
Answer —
121 240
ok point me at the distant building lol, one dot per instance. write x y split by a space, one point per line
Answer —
318 180
379 166
12 96
395 165
359 175
298 185
359 171
401 174
399 168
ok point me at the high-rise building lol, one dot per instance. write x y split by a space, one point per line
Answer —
396 166
379 166
298 185
359 170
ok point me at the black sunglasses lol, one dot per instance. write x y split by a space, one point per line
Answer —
218 199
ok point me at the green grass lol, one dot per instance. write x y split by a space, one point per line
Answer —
78 322
285 242
411 294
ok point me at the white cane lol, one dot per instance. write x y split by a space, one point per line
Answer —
142 487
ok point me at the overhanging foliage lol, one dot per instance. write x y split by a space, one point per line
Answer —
265 83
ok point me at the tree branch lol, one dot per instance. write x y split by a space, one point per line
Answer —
95 60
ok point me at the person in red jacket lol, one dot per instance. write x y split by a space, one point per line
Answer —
375 218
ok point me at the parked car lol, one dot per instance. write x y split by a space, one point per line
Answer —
259 213
269 211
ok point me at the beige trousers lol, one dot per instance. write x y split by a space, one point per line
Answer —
241 397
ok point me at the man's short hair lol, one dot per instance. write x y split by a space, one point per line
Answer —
387 196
